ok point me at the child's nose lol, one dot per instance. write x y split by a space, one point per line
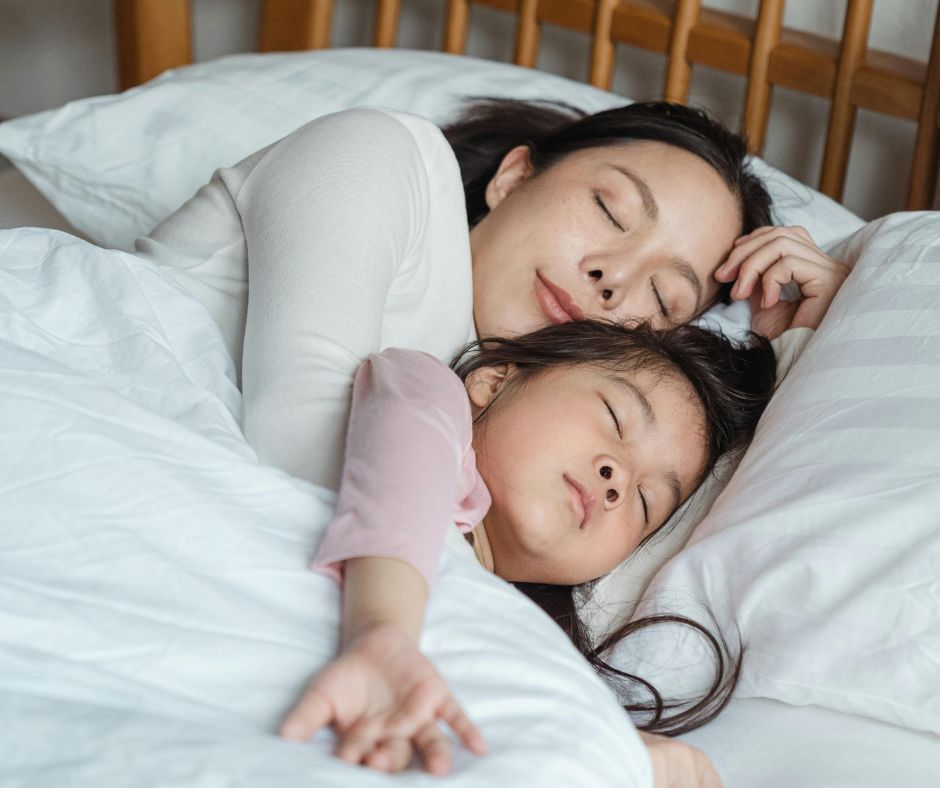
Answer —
613 491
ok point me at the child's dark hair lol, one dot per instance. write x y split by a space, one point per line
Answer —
733 383
489 128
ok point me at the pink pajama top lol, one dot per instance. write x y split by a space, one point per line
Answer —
409 440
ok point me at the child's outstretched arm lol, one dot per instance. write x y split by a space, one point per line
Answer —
408 466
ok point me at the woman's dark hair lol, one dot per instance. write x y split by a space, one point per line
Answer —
489 128
733 383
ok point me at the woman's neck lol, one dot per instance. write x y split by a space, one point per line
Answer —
481 546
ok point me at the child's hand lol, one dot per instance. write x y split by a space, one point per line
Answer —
677 765
384 699
771 257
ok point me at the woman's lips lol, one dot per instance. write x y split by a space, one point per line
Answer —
583 500
557 305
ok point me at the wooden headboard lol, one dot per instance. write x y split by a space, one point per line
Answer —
154 35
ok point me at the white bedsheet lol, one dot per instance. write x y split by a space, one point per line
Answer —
762 743
157 616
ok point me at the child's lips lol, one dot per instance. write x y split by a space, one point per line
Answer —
582 499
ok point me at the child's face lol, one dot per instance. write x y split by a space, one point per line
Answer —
568 489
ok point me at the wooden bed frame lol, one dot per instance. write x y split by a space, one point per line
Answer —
154 35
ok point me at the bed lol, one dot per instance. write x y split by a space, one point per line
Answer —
152 629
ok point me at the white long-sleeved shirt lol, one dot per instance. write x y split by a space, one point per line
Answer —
345 237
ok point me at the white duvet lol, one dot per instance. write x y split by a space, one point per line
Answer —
157 616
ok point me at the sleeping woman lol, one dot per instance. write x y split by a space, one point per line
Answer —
556 452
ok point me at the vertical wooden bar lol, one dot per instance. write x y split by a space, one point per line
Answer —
455 28
602 50
679 70
527 34
757 103
842 115
289 25
923 183
386 23
152 36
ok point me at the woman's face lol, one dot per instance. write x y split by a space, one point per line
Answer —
582 464
619 232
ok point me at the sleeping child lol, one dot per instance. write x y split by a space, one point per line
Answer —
556 453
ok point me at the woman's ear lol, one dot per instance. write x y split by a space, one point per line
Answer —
483 385
513 170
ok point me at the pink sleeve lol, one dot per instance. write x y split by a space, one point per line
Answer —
409 469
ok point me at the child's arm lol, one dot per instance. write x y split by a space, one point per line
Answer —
409 474
409 469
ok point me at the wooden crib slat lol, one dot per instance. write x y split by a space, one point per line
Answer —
386 23
153 35
923 182
455 26
679 70
527 34
842 114
602 50
757 101
290 25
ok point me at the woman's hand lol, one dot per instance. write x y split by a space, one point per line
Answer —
677 765
384 698
771 257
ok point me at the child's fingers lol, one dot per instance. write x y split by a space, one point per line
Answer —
419 708
307 717
460 723
360 740
392 755
434 748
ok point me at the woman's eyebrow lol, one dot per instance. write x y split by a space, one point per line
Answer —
686 271
650 206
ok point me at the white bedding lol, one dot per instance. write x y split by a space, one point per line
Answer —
157 616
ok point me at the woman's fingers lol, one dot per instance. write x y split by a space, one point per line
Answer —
307 717
767 255
434 749
766 244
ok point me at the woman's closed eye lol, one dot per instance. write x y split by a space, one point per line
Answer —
610 217
663 309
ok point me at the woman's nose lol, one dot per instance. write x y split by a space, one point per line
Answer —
611 283
612 480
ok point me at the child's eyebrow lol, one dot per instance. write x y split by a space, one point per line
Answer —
638 395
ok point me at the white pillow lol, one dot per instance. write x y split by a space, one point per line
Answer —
115 166
824 549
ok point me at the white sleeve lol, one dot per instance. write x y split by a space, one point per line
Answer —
328 213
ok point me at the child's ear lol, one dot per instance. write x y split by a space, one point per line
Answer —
513 170
484 384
